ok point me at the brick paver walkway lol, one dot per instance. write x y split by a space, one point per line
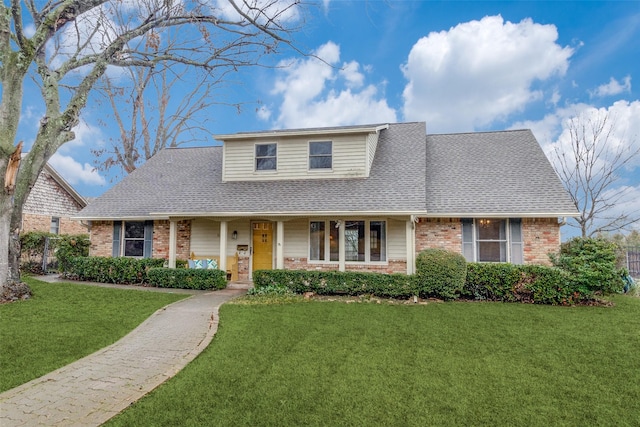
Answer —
90 391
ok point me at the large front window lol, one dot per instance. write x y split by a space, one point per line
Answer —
364 241
492 240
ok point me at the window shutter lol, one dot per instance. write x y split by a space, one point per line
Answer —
117 235
515 234
467 239
148 238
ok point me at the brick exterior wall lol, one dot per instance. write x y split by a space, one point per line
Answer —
541 236
36 222
102 239
49 199
439 233
161 239
101 235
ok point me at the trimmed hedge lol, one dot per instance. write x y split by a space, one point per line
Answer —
120 270
184 278
440 273
338 282
522 283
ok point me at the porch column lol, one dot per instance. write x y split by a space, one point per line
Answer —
173 242
280 245
410 229
341 248
223 246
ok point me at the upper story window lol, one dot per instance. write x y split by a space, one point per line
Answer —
320 155
266 157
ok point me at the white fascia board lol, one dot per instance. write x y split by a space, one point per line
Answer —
117 218
301 132
501 215
164 215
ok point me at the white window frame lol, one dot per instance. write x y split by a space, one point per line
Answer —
310 156
125 239
256 158
508 241
367 242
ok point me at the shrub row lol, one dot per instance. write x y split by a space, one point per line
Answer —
522 283
338 282
184 278
121 270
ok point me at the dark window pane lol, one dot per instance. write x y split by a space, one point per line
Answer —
134 248
320 162
492 252
319 148
491 229
267 163
334 241
265 150
377 241
134 230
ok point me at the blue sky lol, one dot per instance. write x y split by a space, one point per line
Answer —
458 66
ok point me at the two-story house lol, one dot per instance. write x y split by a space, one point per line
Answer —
365 198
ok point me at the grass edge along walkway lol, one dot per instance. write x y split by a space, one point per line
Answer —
64 322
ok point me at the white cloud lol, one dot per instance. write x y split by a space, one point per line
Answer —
614 87
623 125
75 172
280 11
351 73
479 71
317 93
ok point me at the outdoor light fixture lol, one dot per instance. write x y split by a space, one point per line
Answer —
234 235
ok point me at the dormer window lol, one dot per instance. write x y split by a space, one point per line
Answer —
320 155
266 157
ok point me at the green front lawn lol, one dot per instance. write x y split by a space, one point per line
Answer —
64 322
331 363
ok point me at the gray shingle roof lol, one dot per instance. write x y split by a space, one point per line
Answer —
492 173
458 174
189 181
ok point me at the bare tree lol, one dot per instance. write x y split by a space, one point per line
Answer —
66 46
589 164
154 108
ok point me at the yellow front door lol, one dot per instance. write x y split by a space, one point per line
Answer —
262 246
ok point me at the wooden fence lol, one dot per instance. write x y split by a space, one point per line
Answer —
633 261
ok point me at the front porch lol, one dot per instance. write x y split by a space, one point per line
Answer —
385 245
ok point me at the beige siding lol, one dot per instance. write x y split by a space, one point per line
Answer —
350 159
372 145
296 238
396 239
205 236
